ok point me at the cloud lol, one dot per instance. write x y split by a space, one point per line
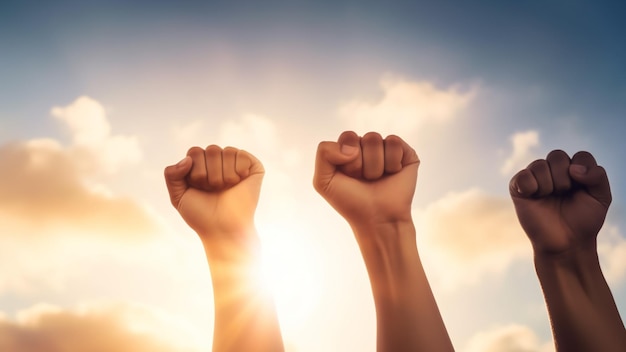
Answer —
469 234
47 187
186 133
405 106
54 214
42 188
97 328
255 133
510 338
523 145
26 266
612 253
251 131
92 141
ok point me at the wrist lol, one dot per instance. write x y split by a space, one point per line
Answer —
241 245
571 258
577 266
381 232
234 261
392 242
389 251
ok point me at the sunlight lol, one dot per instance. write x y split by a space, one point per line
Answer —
291 272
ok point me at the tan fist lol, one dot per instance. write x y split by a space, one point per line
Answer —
367 179
216 190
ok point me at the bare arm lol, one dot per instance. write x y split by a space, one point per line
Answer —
561 204
371 182
216 192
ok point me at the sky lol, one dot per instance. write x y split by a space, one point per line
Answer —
97 97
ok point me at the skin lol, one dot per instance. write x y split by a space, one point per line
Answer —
216 192
370 181
561 204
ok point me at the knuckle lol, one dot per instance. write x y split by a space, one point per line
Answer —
392 138
372 137
230 151
557 154
538 164
195 151
213 149
348 134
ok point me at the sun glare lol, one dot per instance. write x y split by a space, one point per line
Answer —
291 272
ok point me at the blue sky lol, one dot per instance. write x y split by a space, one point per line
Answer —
279 77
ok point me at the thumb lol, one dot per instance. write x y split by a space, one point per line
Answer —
175 179
329 156
594 179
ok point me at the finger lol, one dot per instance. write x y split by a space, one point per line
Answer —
197 177
348 140
229 173
409 156
329 157
373 154
585 159
559 163
213 156
247 164
523 184
592 177
541 171
410 160
175 179
393 154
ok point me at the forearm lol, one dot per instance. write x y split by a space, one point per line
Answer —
408 318
245 317
582 310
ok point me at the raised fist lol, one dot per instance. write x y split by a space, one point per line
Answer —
561 203
216 190
368 180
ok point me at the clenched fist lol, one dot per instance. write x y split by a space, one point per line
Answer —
216 190
368 180
561 203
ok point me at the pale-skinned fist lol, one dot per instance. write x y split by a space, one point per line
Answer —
560 202
368 180
216 190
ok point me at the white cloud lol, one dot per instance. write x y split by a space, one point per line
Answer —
255 133
252 131
44 185
468 235
405 106
510 338
612 253
523 144
47 198
103 327
27 266
188 132
42 188
92 140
